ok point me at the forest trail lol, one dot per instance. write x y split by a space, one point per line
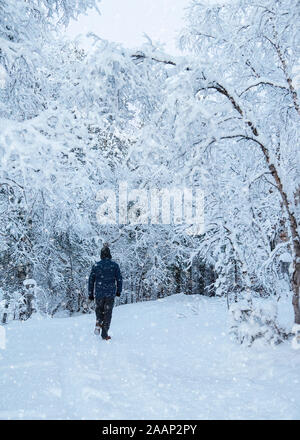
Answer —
168 359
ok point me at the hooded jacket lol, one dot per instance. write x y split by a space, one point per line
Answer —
105 279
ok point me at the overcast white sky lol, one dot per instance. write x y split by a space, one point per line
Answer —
125 21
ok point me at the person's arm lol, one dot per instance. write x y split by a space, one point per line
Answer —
119 281
92 279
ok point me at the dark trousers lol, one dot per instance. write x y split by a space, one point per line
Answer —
104 307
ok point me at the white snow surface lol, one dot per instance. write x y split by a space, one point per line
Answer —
168 359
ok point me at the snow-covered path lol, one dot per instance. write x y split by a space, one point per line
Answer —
168 359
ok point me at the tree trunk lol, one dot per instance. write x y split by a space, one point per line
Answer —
296 283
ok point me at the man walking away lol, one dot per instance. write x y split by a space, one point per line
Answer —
105 282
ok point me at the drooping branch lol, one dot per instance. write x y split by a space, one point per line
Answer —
289 81
140 56
212 85
219 88
264 83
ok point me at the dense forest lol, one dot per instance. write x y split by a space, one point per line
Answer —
222 118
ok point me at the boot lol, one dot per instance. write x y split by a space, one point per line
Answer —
97 328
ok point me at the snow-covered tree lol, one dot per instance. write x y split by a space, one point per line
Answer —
246 106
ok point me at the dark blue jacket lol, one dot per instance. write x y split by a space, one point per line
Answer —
105 279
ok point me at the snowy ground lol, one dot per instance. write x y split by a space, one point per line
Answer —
168 359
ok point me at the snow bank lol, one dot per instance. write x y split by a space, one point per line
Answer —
168 359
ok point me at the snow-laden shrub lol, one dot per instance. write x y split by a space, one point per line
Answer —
19 304
12 306
251 321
